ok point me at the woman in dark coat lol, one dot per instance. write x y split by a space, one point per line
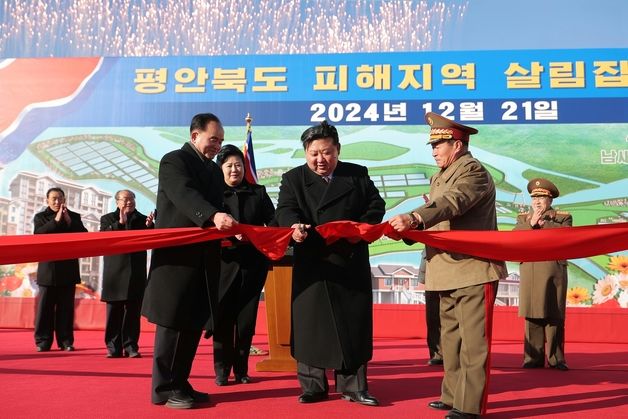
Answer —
242 272
332 300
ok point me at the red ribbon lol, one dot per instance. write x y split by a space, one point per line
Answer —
520 245
530 245
516 246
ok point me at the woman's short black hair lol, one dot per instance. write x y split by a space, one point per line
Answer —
227 151
324 130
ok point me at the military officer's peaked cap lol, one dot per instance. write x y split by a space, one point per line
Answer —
542 187
445 129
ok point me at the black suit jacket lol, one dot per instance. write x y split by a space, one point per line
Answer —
331 285
182 287
61 272
124 275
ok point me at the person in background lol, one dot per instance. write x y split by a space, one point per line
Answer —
543 285
332 299
432 319
56 279
462 197
181 295
243 270
124 280
432 313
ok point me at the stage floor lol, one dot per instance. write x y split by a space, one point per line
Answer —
84 384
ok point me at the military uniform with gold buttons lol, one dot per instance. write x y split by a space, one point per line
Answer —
543 288
462 197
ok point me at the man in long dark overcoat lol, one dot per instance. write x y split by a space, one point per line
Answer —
57 279
181 294
124 280
331 285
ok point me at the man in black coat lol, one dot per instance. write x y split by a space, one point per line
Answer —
332 319
124 279
182 289
56 279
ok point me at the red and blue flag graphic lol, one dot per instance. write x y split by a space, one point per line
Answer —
250 173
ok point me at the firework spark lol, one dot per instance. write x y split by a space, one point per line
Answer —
63 28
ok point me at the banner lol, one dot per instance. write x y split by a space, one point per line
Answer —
93 126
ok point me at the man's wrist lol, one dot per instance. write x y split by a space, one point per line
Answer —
414 220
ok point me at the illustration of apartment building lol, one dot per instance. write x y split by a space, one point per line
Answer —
399 284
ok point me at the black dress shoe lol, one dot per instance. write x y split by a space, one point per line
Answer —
114 355
67 348
312 397
531 364
199 396
438 405
221 381
43 348
435 361
362 397
560 366
243 379
457 414
133 354
180 400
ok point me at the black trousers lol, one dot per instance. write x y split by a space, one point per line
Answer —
55 315
122 330
172 361
432 320
235 328
314 380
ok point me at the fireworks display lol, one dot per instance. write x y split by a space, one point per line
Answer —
126 28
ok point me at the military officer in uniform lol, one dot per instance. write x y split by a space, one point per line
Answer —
543 286
462 197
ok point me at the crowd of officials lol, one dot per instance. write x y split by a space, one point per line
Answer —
213 288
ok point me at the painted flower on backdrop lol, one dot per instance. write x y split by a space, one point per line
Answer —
614 286
622 281
623 299
619 264
605 289
578 296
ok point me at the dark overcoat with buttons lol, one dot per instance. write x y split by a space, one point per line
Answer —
543 285
332 318
248 204
124 275
182 287
60 272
